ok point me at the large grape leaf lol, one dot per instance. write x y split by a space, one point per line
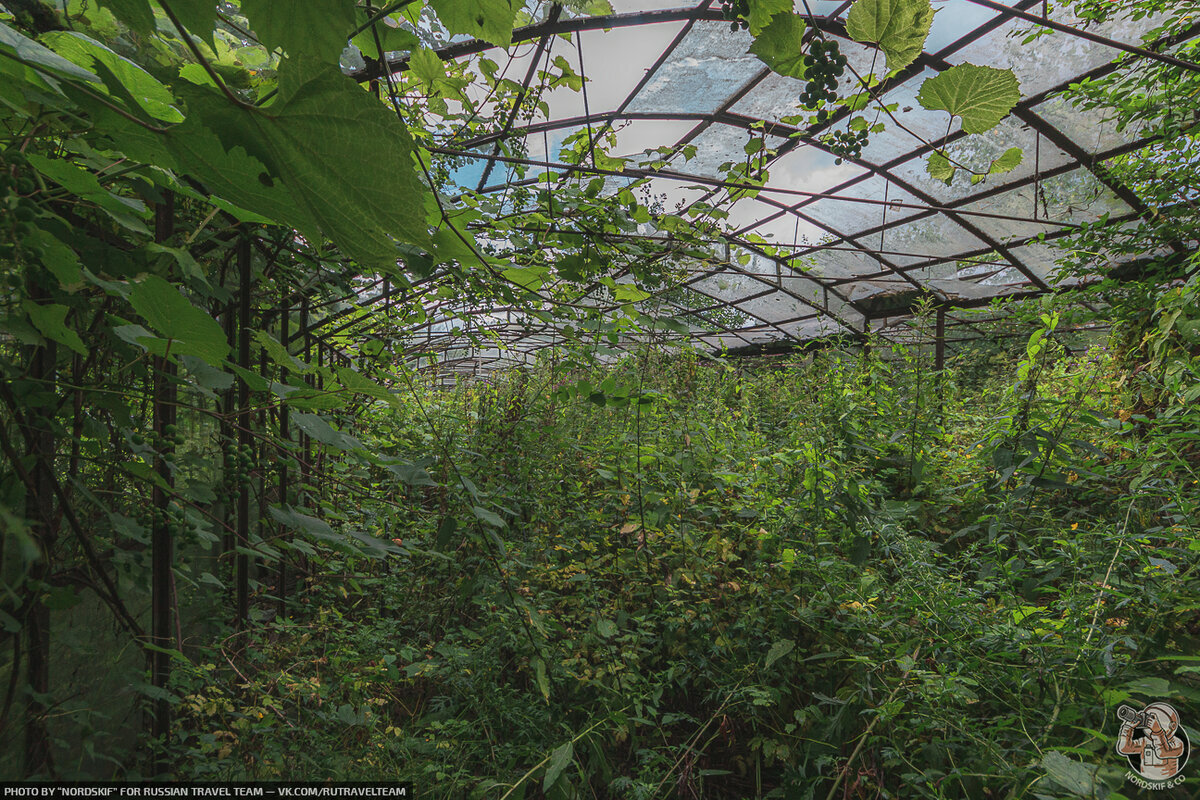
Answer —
981 96
51 319
144 89
392 38
134 13
899 27
125 210
490 20
316 28
778 46
763 11
235 176
171 314
198 16
31 52
345 160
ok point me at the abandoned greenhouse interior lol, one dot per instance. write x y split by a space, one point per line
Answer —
601 399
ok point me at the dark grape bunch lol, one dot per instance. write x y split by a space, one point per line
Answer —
14 200
823 65
846 144
737 12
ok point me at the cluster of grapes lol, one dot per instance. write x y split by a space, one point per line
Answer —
823 65
167 518
14 200
736 12
171 436
846 144
238 464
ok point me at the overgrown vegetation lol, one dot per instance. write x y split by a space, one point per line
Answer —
254 528
741 584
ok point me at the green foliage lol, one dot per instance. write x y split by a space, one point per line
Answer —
314 28
980 96
612 573
779 45
899 27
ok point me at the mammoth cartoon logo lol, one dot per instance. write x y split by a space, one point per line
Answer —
1153 741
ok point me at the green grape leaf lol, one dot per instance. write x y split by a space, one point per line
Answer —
123 76
981 96
1073 776
31 52
539 673
171 314
59 259
425 65
1007 162
50 320
355 381
778 46
134 13
763 11
490 20
899 27
391 38
198 16
531 278
234 175
940 168
323 432
316 28
312 137
488 517
124 210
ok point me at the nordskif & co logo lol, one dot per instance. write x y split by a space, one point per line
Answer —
1155 744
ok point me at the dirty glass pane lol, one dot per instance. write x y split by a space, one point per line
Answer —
708 66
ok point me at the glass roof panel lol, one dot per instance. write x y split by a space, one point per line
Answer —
909 127
709 91
850 217
708 66
1092 131
975 153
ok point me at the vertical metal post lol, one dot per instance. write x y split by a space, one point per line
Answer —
228 415
939 355
39 506
162 546
305 440
939 341
318 478
244 438
284 433
260 567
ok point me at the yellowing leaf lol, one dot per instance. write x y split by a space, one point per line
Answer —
940 168
1008 161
